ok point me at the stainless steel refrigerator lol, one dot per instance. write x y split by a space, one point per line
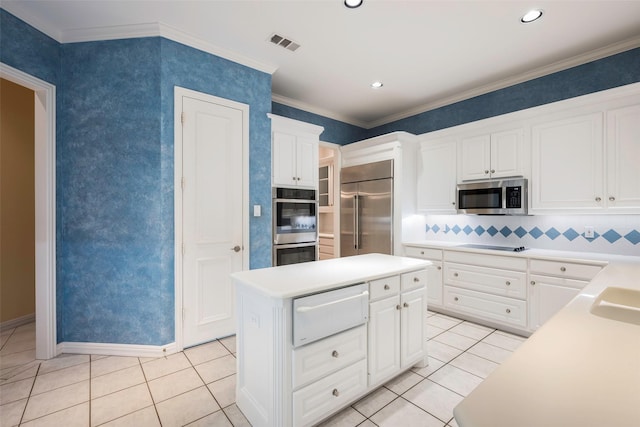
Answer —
366 209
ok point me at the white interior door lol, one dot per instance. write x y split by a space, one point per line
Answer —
212 217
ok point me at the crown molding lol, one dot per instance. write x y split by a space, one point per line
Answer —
315 110
151 29
565 64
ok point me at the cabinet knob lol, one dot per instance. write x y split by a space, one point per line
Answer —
533 282
405 305
486 171
293 178
455 274
493 171
563 269
508 283
398 307
598 199
421 252
455 298
611 198
298 178
416 279
508 310
335 392
439 268
386 287
335 353
453 203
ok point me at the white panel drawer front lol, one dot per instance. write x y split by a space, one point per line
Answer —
323 357
314 402
413 280
383 288
426 253
500 282
565 269
496 261
492 307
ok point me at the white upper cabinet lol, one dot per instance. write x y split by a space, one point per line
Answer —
567 164
294 152
436 173
623 154
495 155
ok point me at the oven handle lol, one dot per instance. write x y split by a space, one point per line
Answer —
305 308
295 200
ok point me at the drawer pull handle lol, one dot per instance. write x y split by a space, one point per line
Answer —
611 198
439 268
398 307
335 353
563 269
386 287
598 199
508 310
508 283
421 252
416 279
406 304
335 392
533 282
455 298
455 274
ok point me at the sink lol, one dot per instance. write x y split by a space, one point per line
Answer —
619 304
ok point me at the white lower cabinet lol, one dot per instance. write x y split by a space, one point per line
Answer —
396 325
553 284
434 272
312 403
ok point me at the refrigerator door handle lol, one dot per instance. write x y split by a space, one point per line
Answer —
356 218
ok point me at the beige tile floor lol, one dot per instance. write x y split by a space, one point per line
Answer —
196 387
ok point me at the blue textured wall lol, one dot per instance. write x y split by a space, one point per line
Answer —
613 71
114 284
334 130
27 49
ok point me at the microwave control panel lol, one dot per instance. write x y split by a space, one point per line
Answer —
513 197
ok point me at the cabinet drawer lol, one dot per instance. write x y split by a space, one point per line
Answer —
491 307
413 280
426 253
323 357
317 400
382 288
506 283
495 261
565 269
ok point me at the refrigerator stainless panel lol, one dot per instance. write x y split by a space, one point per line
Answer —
366 217
367 172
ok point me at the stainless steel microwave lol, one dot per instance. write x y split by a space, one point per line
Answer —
495 197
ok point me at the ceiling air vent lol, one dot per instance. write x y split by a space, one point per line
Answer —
284 42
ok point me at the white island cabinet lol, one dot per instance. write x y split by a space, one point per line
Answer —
305 331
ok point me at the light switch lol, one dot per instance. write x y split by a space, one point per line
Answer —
257 210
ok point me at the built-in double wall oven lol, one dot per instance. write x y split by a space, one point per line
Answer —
295 225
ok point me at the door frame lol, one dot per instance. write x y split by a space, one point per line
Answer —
179 93
45 206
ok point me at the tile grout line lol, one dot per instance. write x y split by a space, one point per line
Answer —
29 396
146 382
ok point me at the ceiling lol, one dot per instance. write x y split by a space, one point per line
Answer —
427 53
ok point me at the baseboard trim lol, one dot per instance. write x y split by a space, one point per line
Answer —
18 321
130 350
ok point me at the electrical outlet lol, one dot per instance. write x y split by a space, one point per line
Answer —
588 232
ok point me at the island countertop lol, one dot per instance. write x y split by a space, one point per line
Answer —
578 369
289 281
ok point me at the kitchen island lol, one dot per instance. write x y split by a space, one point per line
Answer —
581 368
315 337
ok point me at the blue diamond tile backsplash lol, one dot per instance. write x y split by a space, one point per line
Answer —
615 234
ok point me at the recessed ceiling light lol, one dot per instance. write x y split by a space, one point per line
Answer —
531 16
376 85
352 4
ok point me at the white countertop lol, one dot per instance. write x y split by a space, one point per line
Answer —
293 280
578 369
553 255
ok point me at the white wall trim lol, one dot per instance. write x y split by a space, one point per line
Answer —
18 321
129 350
45 206
179 93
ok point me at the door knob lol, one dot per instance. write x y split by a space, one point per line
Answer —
236 248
